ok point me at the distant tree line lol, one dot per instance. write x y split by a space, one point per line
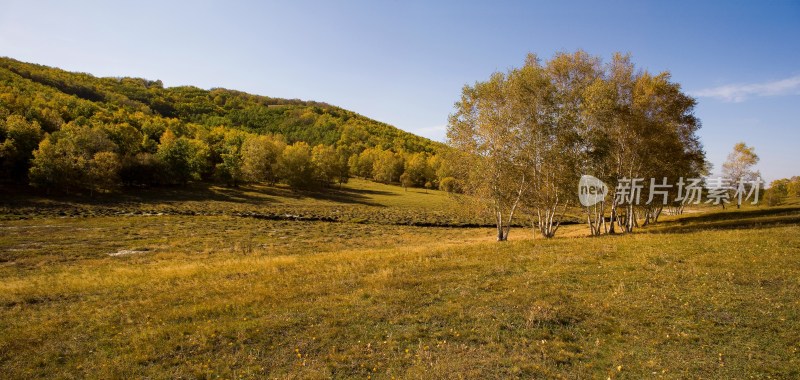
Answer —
782 190
67 131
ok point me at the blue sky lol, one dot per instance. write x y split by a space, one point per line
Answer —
404 62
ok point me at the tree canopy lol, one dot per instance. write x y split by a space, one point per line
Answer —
525 137
53 123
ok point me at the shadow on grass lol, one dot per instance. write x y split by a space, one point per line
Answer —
14 196
342 195
734 219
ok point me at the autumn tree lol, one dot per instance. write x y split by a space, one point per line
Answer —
450 185
487 148
547 101
405 181
343 164
525 138
142 169
326 163
781 189
793 187
18 139
295 166
638 125
387 166
738 168
419 169
183 158
103 171
260 156
70 159
231 162
53 165
127 138
362 164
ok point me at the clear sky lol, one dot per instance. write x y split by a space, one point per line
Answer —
404 62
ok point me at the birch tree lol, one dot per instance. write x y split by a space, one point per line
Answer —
646 130
488 149
739 165
561 142
527 136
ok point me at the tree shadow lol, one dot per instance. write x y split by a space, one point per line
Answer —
17 196
733 214
727 220
343 195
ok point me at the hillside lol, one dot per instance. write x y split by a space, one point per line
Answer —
54 97
70 131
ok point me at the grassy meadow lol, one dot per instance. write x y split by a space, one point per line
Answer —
163 284
359 201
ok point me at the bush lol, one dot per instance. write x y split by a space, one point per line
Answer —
450 185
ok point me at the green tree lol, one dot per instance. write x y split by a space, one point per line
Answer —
18 139
419 169
326 163
295 166
387 167
182 158
103 171
231 157
260 158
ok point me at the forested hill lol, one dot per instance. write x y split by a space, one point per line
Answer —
54 97
73 131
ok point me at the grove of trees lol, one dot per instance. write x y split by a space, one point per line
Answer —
524 138
782 190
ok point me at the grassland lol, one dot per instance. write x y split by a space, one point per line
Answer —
112 292
359 201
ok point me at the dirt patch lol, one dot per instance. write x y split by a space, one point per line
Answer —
128 252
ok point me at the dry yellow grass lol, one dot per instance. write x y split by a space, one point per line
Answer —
442 304
219 296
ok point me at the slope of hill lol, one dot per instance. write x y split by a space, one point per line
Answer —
54 97
69 131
